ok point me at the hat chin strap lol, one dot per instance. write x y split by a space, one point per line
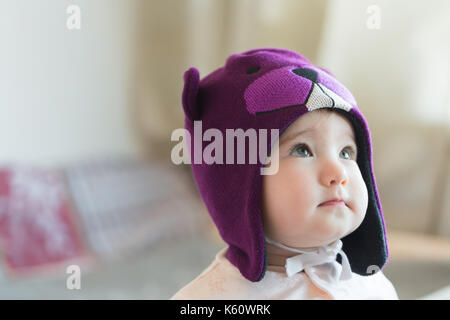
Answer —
314 257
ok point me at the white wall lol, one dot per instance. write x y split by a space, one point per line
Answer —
400 72
65 94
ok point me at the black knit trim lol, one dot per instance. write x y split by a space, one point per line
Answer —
263 272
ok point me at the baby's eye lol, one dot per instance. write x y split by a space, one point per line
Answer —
350 151
299 148
303 149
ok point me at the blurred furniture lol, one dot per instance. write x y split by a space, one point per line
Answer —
419 265
90 213
412 165
414 246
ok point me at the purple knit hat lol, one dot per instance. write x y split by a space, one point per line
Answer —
269 88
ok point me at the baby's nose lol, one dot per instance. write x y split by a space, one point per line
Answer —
306 73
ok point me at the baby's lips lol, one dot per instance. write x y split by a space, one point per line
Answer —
277 89
344 201
331 202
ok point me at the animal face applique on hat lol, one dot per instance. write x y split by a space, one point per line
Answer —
265 89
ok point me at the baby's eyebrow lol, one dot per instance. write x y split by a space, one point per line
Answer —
298 133
294 135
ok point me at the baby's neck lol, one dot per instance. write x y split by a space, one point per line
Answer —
276 256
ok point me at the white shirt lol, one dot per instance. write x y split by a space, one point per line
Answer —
221 280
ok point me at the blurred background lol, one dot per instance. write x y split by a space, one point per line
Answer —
91 92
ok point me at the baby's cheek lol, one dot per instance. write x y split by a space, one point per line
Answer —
301 179
359 196
287 223
288 197
297 205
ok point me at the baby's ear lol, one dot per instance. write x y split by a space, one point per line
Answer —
190 93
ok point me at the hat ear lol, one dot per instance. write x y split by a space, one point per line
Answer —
190 92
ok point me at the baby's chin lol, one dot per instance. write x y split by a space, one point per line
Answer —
318 239
305 242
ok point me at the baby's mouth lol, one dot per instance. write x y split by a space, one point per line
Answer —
333 202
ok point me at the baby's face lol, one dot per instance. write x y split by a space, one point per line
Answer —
317 162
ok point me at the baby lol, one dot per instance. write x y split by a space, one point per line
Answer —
287 231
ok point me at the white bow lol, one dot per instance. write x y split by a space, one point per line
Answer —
318 256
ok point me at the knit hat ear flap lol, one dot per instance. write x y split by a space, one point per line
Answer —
190 92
